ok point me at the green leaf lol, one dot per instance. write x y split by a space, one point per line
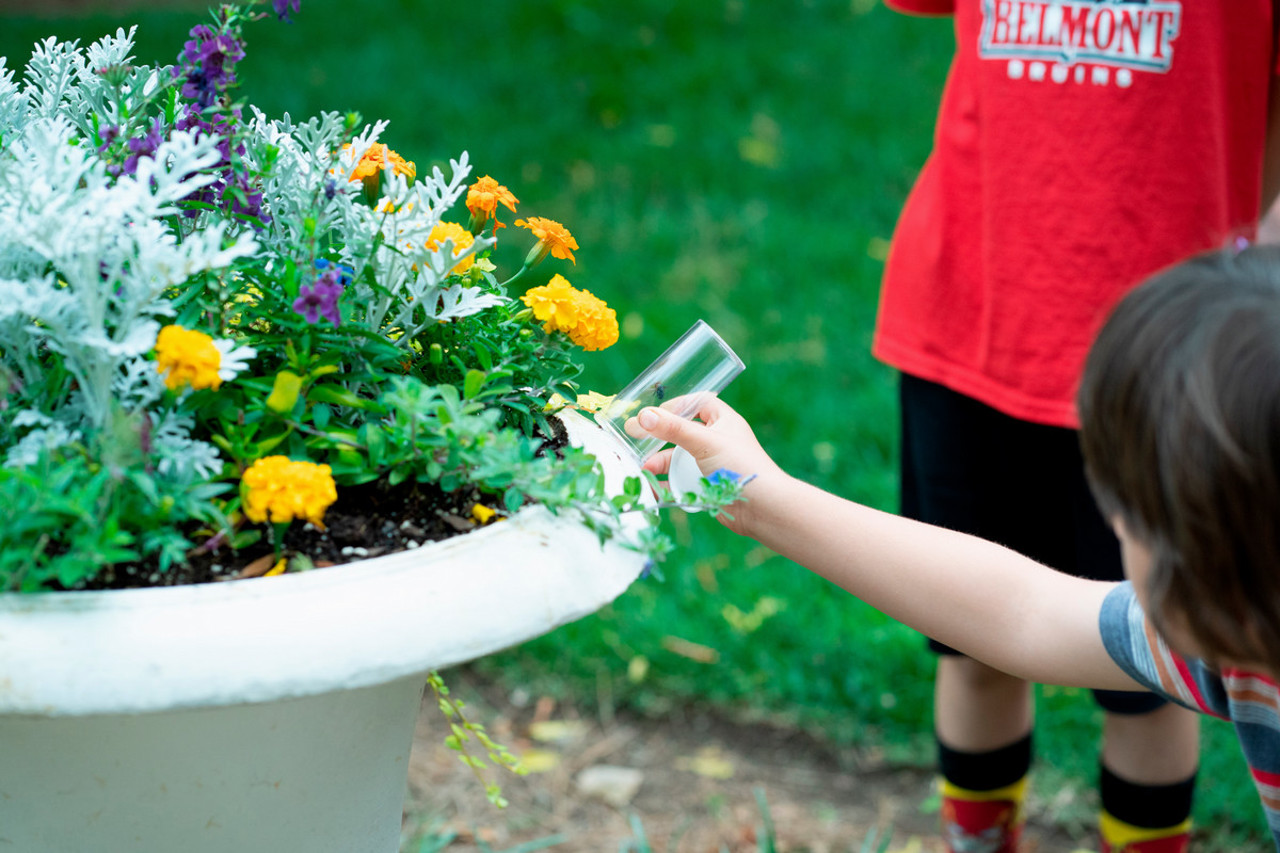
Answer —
338 395
513 499
375 442
473 383
264 447
284 392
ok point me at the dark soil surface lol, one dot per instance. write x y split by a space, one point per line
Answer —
698 781
367 520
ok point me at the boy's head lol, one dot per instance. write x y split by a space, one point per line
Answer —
1180 430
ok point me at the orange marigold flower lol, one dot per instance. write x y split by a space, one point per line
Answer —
280 490
483 199
379 157
462 240
552 237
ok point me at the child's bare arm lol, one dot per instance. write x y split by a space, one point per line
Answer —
983 599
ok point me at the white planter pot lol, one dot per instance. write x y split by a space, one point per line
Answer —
273 714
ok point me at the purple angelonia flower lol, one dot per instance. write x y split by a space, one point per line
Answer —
109 135
284 7
232 190
207 62
142 146
320 299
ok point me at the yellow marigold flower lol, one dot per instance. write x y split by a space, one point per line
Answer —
597 326
279 489
552 237
462 240
553 304
187 357
379 157
483 199
585 318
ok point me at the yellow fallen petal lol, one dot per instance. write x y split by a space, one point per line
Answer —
539 760
557 731
913 845
709 762
594 401
277 569
637 669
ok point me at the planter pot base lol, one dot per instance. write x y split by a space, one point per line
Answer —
324 774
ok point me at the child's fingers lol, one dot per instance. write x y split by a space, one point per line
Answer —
711 408
693 437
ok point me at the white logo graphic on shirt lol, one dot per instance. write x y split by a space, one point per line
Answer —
1095 41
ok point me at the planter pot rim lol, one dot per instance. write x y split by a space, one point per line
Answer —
355 625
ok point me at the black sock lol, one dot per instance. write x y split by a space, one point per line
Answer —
985 771
1145 806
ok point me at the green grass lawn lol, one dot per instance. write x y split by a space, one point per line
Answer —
739 162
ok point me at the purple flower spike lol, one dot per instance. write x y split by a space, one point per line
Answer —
142 146
320 299
208 62
108 135
284 7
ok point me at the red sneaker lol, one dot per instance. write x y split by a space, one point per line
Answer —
981 826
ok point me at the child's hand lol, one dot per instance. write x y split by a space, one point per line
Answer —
723 440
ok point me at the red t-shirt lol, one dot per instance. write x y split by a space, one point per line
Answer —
1080 146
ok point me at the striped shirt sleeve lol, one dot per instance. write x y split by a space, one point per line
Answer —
1135 646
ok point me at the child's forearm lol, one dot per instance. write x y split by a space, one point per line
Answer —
983 599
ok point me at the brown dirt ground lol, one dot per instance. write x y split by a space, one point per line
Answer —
700 775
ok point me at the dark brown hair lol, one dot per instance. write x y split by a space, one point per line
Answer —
1180 430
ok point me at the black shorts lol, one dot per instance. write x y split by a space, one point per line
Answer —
969 467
